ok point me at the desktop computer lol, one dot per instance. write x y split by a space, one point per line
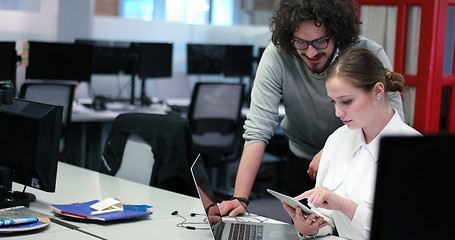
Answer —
29 146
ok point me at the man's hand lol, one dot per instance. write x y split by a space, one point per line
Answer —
314 165
233 207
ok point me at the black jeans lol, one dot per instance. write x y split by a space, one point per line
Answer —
296 177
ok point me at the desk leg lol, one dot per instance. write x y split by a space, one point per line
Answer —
76 151
87 143
93 146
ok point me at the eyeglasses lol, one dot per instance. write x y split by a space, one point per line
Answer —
319 44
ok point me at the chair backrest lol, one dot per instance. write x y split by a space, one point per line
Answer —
137 161
215 107
55 94
150 148
51 93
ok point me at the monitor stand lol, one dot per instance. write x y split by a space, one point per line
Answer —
10 198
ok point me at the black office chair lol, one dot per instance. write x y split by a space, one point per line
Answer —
151 149
216 124
55 94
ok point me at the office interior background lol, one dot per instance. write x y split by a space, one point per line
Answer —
182 22
236 22
229 22
212 22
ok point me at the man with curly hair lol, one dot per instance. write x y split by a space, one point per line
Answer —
306 37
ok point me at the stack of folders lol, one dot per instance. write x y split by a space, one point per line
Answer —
109 210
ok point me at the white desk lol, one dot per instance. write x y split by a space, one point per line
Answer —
81 113
75 184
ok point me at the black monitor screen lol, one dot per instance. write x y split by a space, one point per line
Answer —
155 60
7 60
29 142
205 59
414 176
59 61
238 60
109 57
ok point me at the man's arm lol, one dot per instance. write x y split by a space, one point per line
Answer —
246 174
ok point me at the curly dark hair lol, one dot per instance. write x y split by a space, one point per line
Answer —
339 17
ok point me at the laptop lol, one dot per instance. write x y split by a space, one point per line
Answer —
222 230
414 188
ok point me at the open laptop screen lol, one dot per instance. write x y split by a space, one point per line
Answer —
207 196
414 187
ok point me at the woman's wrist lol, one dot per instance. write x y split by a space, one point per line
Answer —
309 236
348 208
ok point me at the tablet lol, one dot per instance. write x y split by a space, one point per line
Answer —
294 203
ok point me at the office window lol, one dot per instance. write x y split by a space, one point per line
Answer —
197 11
21 5
216 12
222 12
138 9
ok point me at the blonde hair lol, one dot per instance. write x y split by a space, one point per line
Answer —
364 69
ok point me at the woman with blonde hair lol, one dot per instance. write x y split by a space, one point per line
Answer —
357 84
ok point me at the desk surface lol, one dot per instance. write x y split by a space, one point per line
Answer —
75 184
81 113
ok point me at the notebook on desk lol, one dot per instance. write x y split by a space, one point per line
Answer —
222 230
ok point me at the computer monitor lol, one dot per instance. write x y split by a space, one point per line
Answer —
59 61
110 57
238 60
29 144
413 187
8 59
155 60
205 58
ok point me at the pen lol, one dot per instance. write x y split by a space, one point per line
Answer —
7 222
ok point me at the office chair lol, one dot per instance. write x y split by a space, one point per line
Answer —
55 94
216 124
151 149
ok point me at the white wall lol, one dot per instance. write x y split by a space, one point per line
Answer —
21 26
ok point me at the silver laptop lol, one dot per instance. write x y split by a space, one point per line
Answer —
232 229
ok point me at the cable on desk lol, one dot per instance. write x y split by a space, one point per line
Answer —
184 223
73 227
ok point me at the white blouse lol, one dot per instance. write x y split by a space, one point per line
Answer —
348 168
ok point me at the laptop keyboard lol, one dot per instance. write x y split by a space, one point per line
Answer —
240 231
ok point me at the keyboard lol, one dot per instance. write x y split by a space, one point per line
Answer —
241 231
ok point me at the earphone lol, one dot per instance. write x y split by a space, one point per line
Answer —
191 214
185 221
